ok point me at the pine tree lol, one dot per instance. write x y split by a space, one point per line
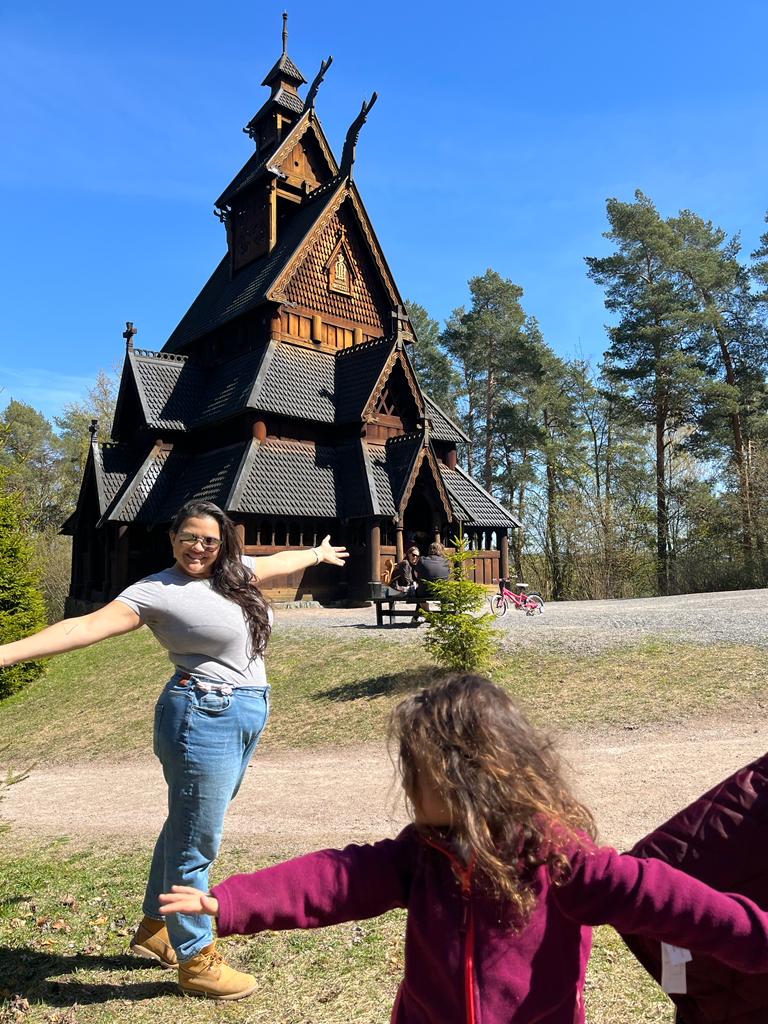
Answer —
458 638
21 601
731 346
649 359
485 342
434 367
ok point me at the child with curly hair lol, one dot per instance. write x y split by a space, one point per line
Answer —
499 871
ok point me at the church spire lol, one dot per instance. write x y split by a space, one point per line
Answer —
284 71
284 106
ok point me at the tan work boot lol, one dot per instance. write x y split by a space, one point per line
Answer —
152 941
209 976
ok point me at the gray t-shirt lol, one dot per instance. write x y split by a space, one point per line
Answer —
203 632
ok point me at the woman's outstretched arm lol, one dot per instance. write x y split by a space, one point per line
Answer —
285 562
111 620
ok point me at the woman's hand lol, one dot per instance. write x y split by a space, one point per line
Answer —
326 552
283 563
183 899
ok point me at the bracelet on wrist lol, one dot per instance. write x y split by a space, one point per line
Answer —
316 554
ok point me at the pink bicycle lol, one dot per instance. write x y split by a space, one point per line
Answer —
518 598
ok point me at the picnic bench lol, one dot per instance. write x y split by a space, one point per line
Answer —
385 599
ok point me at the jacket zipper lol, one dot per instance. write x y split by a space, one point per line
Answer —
464 875
469 943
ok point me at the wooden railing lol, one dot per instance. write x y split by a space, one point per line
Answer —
485 564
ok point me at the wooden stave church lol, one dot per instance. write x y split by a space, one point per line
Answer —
285 394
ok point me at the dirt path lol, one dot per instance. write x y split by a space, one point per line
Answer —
299 800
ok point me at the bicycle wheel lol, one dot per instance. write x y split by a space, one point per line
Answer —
534 603
498 605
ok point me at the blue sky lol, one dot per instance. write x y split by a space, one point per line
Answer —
499 133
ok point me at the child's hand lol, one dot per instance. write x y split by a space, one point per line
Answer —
183 899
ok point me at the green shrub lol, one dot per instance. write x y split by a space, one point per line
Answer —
22 610
457 638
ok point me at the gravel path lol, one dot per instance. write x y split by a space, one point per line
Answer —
736 617
301 800
298 800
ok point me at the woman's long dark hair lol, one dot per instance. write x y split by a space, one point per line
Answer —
511 810
230 578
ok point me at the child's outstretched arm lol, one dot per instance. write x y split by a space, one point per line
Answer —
648 897
320 888
183 899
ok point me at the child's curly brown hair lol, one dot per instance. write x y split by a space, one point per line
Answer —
500 778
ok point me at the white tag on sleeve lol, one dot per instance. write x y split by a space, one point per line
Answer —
673 961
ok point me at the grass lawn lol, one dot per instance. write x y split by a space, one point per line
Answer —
66 918
66 915
97 703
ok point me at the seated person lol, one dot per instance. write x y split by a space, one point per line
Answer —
434 566
405 575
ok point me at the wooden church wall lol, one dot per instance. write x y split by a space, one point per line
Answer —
309 285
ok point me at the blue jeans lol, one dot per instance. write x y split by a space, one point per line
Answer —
204 741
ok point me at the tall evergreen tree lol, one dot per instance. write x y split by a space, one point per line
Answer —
32 456
648 356
434 367
21 601
730 344
485 342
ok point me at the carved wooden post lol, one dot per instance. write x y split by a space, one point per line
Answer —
399 543
374 551
240 531
504 555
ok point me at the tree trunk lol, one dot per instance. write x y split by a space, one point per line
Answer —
739 455
552 544
489 428
608 546
662 525
517 536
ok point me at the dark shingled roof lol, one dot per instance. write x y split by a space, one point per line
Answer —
179 395
282 98
209 476
169 478
298 478
113 464
401 452
382 483
151 478
249 172
298 382
168 385
443 428
226 389
472 503
291 380
390 464
357 370
284 68
222 299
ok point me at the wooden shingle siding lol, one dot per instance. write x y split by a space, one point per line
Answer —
309 284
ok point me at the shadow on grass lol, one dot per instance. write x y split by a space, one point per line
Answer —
383 685
34 975
385 625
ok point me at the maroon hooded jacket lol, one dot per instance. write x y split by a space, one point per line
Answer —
722 839
464 964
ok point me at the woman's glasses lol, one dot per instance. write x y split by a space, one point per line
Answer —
209 543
